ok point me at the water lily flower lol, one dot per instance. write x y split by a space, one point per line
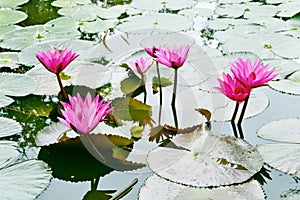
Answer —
250 75
233 89
151 51
141 65
84 115
56 61
172 57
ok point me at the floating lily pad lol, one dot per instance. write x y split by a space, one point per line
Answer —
291 85
11 17
6 29
156 5
97 26
11 4
169 190
87 50
283 67
212 160
284 130
33 177
8 155
195 11
255 10
69 3
223 23
9 59
79 73
288 9
144 23
231 10
62 25
286 156
9 127
222 108
15 85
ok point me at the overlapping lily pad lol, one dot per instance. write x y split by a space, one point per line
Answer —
144 23
156 5
211 160
290 85
33 176
12 4
9 127
69 3
11 17
286 156
9 59
156 188
15 85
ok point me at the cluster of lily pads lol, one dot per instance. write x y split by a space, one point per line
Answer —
249 30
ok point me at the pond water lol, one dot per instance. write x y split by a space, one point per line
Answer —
219 32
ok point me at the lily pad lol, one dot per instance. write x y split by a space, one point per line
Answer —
87 50
156 5
288 9
12 4
97 26
9 127
11 17
223 23
211 160
284 130
15 85
196 11
33 177
8 28
9 59
8 155
222 108
286 156
62 25
144 23
69 3
291 85
169 190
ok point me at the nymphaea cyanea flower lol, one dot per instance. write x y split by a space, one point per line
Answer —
141 65
172 57
233 89
151 51
255 75
84 115
57 60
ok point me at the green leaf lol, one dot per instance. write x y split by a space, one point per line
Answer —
11 4
130 84
164 83
11 17
9 59
137 131
130 109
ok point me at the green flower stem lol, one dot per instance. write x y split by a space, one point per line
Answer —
123 192
160 93
174 87
175 116
144 85
61 87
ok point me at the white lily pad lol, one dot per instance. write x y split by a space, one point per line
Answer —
195 11
33 177
9 127
8 154
9 59
97 26
62 25
233 1
53 133
4 100
87 50
79 73
11 4
212 160
288 9
282 156
231 10
288 86
15 85
222 107
223 23
255 10
156 5
158 188
164 21
8 28
11 17
283 67
283 130
69 3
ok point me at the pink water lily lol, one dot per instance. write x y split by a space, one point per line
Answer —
141 65
233 89
151 51
84 115
56 61
172 57
252 75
